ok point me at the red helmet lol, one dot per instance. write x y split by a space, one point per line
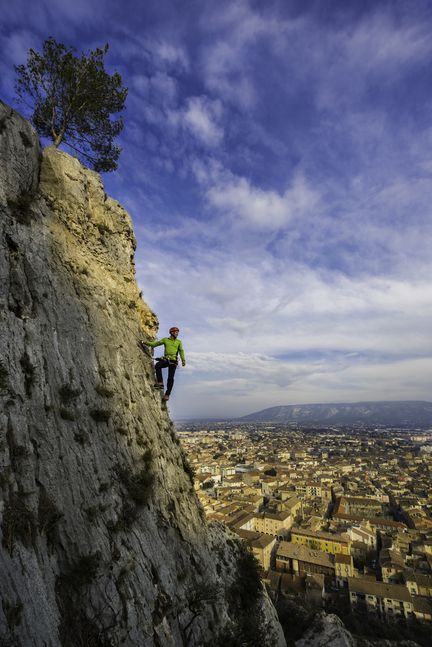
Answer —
174 329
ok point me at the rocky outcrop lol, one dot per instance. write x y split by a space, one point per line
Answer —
102 538
326 630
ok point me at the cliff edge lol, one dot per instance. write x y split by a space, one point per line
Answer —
103 541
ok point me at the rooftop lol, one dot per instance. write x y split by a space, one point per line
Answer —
379 589
304 554
327 536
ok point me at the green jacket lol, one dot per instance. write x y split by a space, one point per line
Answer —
172 347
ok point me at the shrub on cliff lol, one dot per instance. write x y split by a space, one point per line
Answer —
73 98
249 627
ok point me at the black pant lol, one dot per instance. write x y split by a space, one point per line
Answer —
164 363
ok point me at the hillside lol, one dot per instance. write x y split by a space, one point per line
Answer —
396 414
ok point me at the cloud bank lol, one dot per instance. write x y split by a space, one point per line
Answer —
276 163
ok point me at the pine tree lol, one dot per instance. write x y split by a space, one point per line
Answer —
73 98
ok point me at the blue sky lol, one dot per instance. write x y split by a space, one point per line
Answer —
277 164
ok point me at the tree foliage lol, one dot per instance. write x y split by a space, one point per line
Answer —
207 485
73 98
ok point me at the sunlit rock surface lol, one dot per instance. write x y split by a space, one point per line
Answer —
102 539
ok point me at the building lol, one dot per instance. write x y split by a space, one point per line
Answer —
418 583
298 559
323 541
313 490
262 546
291 504
268 486
363 534
388 600
361 506
276 524
392 565
423 609
344 568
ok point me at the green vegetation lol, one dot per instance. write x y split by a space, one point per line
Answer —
138 484
100 415
29 373
13 613
16 452
104 391
197 597
243 595
174 436
18 523
72 592
141 441
66 414
68 393
21 207
48 517
72 99
3 378
81 437
4 475
247 587
80 573
92 513
126 518
294 618
207 485
102 228
188 468
373 628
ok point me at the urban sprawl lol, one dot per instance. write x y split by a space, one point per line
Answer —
337 518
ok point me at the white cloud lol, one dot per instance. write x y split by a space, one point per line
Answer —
50 14
316 288
347 59
260 208
172 54
159 89
218 393
15 46
233 33
200 117
225 74
305 275
276 309
380 42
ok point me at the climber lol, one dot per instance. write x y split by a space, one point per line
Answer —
173 348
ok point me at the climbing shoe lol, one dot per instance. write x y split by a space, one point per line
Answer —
158 385
165 397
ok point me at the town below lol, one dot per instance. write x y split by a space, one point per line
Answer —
339 518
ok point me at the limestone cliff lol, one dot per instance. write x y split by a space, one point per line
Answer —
327 630
102 539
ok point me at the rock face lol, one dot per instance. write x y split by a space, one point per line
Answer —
102 538
326 630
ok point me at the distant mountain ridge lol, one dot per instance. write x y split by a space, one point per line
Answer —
402 413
